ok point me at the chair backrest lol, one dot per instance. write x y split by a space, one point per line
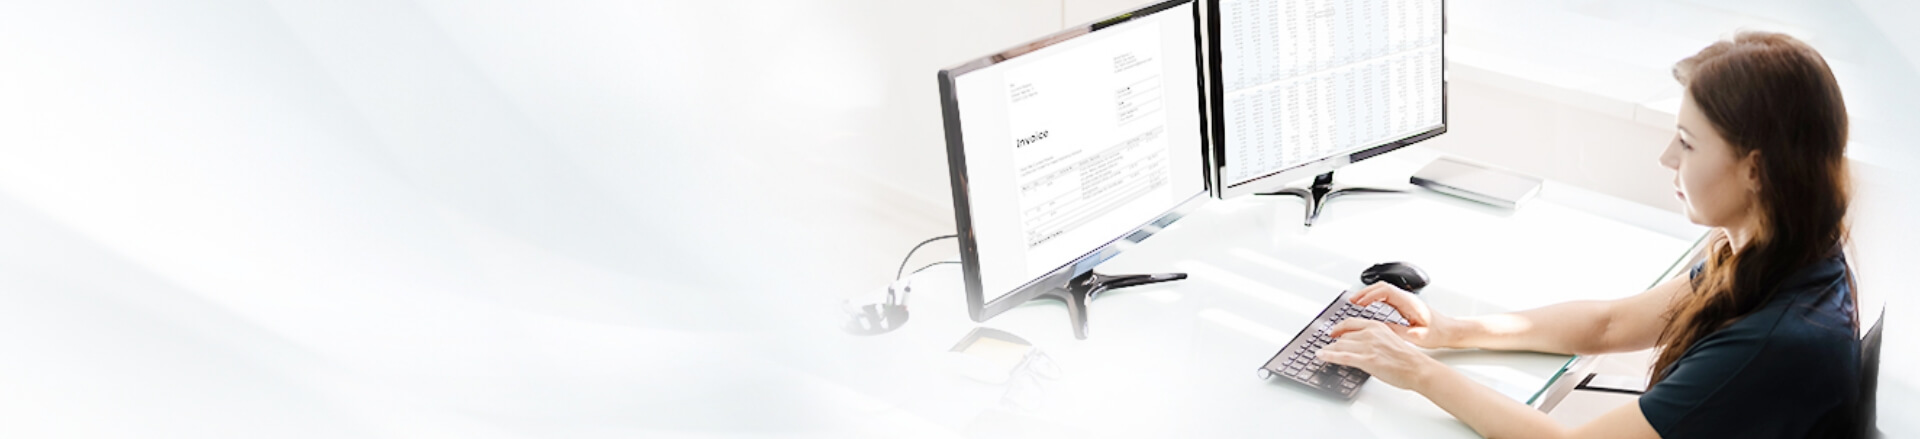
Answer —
1870 376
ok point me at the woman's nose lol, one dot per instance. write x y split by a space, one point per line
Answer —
1670 157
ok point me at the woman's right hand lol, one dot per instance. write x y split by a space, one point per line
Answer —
1426 328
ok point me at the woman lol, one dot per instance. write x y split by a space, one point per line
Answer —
1758 341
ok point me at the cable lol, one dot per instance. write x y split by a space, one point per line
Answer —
901 273
925 267
900 297
903 261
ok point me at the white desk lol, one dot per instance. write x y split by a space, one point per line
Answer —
1178 359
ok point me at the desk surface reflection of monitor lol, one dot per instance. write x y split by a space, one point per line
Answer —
1068 148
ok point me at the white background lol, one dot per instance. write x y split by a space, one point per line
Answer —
593 218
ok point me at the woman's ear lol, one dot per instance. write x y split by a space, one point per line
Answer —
1750 170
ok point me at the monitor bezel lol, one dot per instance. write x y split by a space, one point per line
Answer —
1215 98
980 309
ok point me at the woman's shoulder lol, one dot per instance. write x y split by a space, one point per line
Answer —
1818 300
1814 315
1811 314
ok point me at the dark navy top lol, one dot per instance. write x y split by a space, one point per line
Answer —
1791 366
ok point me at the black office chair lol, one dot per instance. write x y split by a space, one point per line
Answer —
1870 378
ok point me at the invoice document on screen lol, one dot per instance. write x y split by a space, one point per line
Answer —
1081 167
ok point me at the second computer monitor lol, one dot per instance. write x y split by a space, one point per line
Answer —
1300 87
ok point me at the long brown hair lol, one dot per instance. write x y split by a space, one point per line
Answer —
1774 94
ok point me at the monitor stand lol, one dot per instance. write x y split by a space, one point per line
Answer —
1085 287
1322 191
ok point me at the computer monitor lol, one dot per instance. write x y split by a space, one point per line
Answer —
1298 88
1067 149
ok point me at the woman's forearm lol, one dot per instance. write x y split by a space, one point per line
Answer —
1566 328
1579 327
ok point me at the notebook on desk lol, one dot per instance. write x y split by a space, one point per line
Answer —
1485 184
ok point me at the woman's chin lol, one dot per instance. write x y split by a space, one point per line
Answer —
1694 217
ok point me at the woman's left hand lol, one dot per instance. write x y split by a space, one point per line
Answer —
1373 347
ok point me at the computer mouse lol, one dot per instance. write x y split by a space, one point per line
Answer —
1399 274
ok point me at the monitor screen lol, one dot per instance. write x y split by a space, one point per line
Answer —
1304 84
1066 145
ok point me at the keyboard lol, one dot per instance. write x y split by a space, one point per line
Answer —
1296 362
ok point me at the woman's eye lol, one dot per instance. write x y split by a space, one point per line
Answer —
1686 146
